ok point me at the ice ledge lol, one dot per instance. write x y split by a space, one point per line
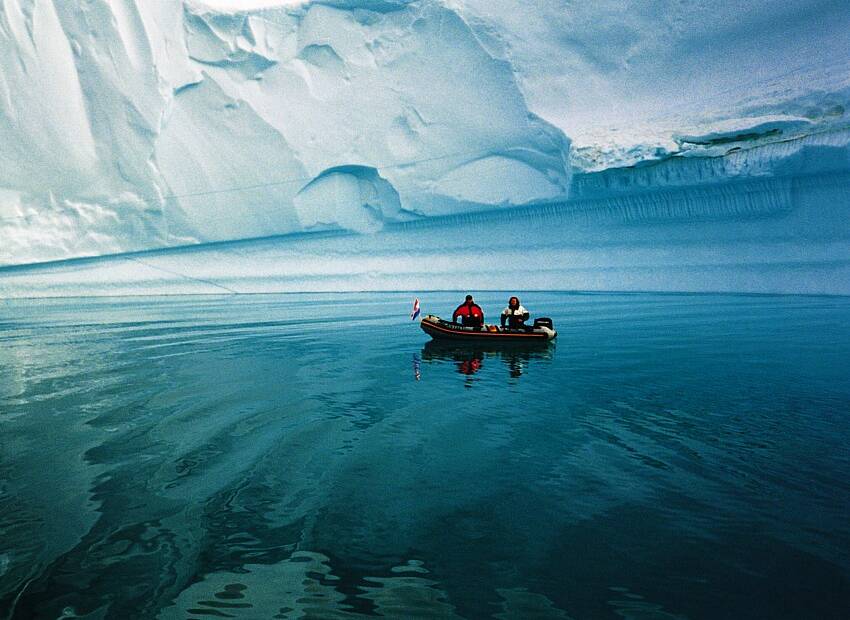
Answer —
770 235
610 148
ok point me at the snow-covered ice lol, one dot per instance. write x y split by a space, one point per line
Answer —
652 228
123 120
637 145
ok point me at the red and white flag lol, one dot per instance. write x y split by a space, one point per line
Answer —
415 312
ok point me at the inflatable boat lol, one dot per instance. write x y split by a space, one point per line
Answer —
440 329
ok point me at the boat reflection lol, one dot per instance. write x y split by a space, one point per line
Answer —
470 359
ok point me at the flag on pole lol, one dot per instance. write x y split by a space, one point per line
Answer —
415 312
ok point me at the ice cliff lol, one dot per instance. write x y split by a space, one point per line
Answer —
122 121
634 145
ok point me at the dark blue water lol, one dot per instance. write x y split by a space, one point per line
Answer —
310 456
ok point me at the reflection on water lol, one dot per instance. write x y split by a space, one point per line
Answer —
304 586
417 367
469 358
274 456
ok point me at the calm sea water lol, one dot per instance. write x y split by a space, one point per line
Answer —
312 456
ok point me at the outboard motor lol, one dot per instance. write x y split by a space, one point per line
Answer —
543 321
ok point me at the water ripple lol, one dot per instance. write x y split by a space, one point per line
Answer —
289 456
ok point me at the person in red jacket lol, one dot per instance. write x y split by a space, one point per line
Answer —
470 312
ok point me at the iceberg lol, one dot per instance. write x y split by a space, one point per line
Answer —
209 146
763 219
131 125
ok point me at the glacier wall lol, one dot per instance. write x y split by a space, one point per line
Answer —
422 143
623 76
680 224
123 121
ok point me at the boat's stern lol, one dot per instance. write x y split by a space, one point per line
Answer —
550 332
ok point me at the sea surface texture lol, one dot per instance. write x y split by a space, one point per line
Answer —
314 456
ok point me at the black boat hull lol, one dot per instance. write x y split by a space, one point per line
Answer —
446 331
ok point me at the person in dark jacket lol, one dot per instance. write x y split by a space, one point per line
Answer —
514 314
470 312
